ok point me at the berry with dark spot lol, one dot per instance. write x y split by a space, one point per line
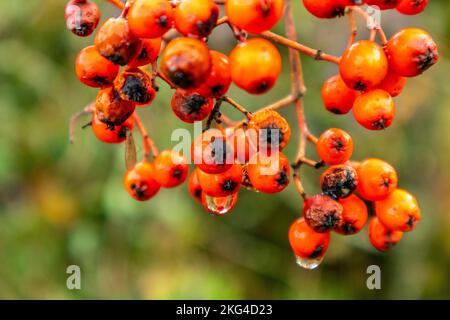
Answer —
116 42
339 181
140 182
148 54
111 109
335 146
374 110
377 179
186 62
325 9
195 189
363 66
219 79
150 19
82 17
411 7
196 17
322 213
336 96
93 70
243 61
221 184
269 173
381 237
190 106
399 211
106 134
354 216
170 168
305 242
135 85
411 51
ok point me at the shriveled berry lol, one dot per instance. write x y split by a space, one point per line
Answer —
135 85
322 213
111 109
339 181
82 17
190 106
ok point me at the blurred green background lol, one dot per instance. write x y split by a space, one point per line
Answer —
63 204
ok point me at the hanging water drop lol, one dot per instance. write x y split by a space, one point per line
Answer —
219 206
308 263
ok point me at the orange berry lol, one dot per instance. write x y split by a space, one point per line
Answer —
170 168
111 109
335 146
135 85
250 53
411 7
374 110
305 242
381 237
140 183
269 173
363 66
339 181
116 42
219 79
377 179
399 211
336 96
195 189
260 15
326 9
106 134
190 106
411 51
273 131
150 18
82 17
221 184
148 54
393 84
196 17
93 70
186 62
354 216
241 143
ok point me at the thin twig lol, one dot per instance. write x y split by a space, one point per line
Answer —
148 143
119 4
237 106
353 27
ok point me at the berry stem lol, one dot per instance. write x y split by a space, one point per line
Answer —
148 143
371 22
119 4
313 53
237 106
353 27
74 120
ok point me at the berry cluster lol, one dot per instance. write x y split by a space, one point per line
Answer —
123 65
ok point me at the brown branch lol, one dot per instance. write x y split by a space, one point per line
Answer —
238 107
148 143
353 27
371 21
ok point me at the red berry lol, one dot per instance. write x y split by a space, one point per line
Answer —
305 242
106 134
140 182
170 168
381 237
335 146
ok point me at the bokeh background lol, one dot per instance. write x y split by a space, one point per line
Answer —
64 204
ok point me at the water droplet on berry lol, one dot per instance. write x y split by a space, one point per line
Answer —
220 205
308 263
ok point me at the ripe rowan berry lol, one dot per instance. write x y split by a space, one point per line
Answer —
135 85
150 18
411 51
111 109
335 146
195 189
377 179
140 182
186 62
116 42
305 242
250 53
219 206
383 4
190 106
322 213
393 84
170 168
336 96
241 142
269 173
326 9
93 70
374 110
363 66
211 152
381 237
219 79
149 53
339 181
82 17
106 134
196 17
260 15
399 211
411 7
354 216
272 129
221 184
